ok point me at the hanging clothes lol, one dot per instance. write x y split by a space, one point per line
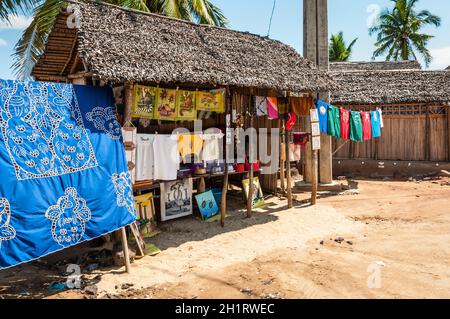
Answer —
261 105
212 147
145 157
166 157
301 105
366 126
190 144
380 113
322 109
272 108
356 129
334 121
376 124
345 123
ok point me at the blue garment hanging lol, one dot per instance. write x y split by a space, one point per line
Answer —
64 176
322 109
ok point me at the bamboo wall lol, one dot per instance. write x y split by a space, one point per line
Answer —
411 133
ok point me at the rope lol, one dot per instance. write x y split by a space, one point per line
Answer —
271 17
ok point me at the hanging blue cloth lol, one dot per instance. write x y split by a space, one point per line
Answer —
64 176
322 109
376 124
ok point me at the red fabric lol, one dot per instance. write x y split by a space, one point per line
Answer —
256 166
292 118
239 167
345 123
367 126
301 138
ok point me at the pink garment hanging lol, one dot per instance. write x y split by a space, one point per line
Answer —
272 108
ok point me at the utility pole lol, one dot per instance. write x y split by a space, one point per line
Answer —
315 48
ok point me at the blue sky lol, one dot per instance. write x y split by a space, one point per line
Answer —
349 16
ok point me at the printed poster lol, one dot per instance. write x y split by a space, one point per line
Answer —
186 105
258 196
176 199
144 101
207 204
166 105
212 101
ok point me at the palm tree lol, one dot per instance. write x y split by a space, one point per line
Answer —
339 51
31 45
398 32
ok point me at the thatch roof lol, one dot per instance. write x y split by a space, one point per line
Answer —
117 45
392 87
375 66
448 68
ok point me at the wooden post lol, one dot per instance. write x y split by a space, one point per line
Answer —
282 158
250 181
288 170
448 132
314 181
126 253
427 134
128 102
223 204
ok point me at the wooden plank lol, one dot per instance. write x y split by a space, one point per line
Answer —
126 252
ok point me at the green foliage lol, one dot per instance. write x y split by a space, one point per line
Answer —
398 32
339 51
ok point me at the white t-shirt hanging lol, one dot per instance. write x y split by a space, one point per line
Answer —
212 147
381 117
145 157
166 157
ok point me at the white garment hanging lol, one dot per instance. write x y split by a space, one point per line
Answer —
381 118
145 157
211 147
166 157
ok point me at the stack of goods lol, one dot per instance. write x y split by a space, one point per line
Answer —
347 124
158 155
153 103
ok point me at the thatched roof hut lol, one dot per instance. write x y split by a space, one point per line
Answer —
117 45
374 66
373 83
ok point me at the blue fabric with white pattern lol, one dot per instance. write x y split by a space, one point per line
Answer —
64 176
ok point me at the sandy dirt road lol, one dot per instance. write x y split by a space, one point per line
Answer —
397 230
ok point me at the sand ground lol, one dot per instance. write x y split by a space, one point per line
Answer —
392 235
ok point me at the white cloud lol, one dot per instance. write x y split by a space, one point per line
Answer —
16 22
441 58
2 42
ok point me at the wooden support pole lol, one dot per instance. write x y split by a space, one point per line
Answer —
223 204
427 134
250 160
288 170
282 159
126 253
314 182
128 101
448 132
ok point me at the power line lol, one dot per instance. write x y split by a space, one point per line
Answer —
271 16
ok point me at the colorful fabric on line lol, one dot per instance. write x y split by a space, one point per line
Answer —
186 105
144 101
376 124
345 123
261 105
356 129
322 109
211 101
301 105
166 105
272 108
366 125
64 174
334 121
380 112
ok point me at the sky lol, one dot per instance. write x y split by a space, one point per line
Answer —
350 16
